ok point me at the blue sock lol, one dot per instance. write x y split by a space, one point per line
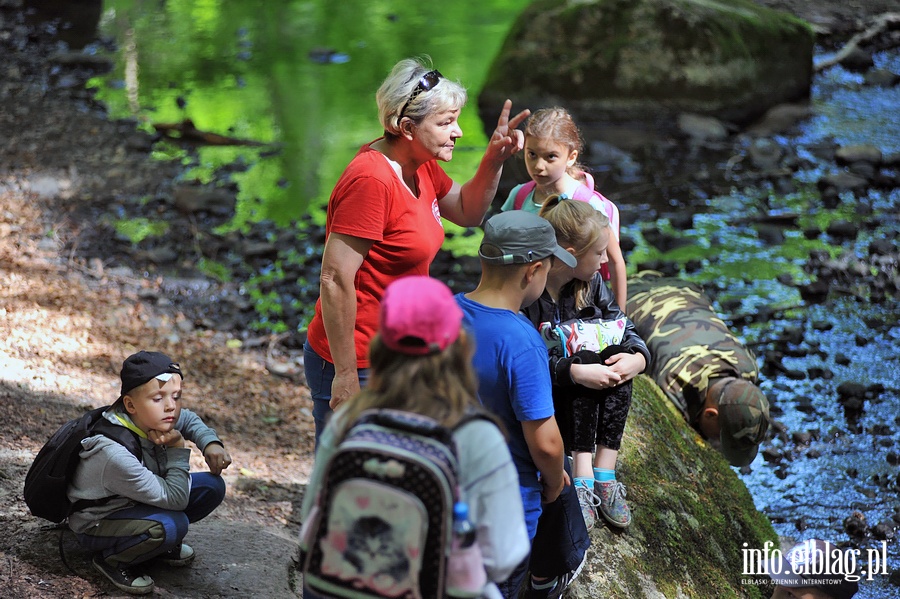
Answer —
584 481
603 475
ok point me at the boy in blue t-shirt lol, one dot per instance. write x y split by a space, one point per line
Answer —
514 383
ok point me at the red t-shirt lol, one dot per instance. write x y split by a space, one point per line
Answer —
370 201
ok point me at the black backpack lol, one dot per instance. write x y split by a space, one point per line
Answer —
53 468
381 521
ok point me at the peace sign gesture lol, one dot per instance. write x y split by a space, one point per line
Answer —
506 139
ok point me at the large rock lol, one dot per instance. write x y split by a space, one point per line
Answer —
648 60
692 515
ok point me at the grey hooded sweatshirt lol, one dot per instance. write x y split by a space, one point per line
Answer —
108 469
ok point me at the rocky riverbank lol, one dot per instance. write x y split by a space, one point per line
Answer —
77 294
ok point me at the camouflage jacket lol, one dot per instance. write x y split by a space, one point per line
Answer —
691 346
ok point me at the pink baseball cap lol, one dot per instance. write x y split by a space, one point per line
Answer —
419 316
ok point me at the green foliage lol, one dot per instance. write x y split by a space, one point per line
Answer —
244 69
214 269
138 229
266 301
461 244
748 255
166 150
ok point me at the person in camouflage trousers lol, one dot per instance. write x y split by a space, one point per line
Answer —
700 365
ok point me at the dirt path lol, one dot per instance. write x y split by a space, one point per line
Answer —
63 335
67 323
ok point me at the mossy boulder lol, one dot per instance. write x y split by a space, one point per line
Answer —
649 60
692 515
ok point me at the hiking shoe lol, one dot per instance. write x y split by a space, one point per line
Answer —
123 577
562 583
613 507
589 502
178 557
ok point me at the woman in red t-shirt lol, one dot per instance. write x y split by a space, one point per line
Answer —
384 219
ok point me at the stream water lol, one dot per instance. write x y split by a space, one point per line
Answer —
835 464
303 74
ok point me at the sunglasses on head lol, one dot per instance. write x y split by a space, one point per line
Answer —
426 83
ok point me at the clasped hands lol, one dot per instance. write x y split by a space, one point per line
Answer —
217 457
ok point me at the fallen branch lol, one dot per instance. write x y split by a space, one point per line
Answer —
288 370
185 130
882 23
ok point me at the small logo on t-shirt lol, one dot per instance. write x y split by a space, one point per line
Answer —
436 210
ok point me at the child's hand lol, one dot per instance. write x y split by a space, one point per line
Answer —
170 438
626 365
595 376
217 458
507 140
548 494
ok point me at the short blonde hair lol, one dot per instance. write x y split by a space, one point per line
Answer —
396 89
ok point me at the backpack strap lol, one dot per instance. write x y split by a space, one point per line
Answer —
523 192
585 192
407 422
120 435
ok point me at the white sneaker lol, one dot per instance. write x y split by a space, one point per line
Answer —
124 578
179 557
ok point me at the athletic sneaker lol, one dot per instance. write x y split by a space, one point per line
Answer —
124 578
562 583
613 507
178 557
589 502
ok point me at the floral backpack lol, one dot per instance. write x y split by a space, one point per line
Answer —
381 524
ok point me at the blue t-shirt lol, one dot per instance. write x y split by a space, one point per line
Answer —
514 383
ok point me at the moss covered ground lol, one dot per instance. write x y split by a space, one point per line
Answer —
692 515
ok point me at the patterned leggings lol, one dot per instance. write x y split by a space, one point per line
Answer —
590 417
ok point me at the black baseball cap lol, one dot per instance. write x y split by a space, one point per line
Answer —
145 366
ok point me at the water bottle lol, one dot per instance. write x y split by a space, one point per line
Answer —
463 530
465 567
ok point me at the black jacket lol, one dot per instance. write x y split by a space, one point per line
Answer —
546 310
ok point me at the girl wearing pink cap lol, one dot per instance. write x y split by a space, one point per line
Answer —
421 362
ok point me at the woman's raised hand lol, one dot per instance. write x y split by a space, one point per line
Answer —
507 139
